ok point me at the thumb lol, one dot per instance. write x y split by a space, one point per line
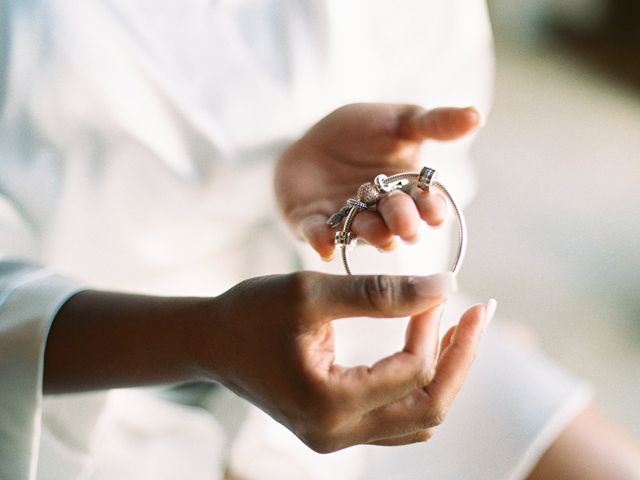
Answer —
439 123
340 296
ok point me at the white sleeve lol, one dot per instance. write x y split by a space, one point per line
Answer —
30 297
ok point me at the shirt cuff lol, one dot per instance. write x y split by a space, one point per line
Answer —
28 303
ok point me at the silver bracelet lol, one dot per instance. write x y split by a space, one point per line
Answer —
369 194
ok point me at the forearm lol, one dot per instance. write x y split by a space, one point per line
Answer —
101 340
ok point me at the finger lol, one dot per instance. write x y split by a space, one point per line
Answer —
370 227
400 214
411 414
339 296
444 343
319 235
457 357
415 437
423 333
438 124
432 208
397 375
427 407
388 380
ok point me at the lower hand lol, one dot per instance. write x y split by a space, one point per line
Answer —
273 343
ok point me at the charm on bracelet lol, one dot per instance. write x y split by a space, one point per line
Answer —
370 193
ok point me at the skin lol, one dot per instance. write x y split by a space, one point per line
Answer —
315 176
590 448
270 340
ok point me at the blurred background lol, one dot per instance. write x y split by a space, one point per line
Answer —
559 165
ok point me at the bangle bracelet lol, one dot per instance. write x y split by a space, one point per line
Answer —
369 194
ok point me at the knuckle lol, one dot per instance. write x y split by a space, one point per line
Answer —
323 432
299 289
436 415
442 127
380 290
424 375
321 445
320 431
298 283
423 435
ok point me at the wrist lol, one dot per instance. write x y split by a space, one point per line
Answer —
205 342
101 340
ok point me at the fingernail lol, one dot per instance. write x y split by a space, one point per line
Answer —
435 285
489 312
479 117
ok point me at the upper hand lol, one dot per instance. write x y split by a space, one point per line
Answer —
318 173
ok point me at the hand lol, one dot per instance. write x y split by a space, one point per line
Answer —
272 343
317 174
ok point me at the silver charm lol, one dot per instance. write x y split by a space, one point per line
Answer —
426 178
381 183
345 239
335 219
357 203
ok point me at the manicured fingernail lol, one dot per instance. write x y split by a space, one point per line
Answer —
489 312
479 116
435 285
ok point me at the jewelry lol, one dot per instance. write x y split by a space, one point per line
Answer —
369 194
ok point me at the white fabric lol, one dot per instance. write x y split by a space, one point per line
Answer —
29 298
135 150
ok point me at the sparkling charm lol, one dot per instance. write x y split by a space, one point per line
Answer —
357 203
368 193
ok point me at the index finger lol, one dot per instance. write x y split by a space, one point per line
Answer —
427 407
397 375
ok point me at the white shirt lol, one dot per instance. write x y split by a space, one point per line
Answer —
136 146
